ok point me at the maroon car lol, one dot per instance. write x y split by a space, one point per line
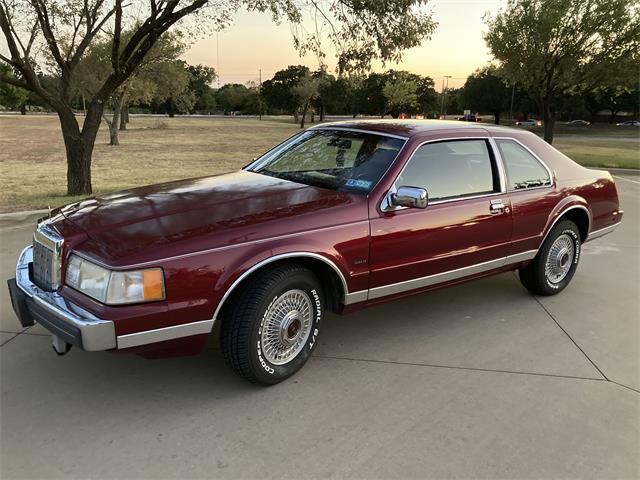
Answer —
335 218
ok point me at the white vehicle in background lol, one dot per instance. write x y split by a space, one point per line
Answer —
528 123
629 123
578 123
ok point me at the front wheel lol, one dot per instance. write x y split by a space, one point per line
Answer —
272 325
556 262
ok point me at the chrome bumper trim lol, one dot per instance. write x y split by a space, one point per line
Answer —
97 334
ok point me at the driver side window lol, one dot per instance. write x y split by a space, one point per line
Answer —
452 169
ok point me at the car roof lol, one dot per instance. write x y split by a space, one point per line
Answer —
407 128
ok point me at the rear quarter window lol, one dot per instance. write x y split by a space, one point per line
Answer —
523 169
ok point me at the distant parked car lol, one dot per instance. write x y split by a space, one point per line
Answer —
528 123
578 123
468 118
629 123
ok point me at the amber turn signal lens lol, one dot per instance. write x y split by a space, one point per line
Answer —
153 284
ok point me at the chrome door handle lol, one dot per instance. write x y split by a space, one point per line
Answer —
496 206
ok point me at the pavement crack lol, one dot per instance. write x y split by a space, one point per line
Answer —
625 386
453 367
570 338
8 340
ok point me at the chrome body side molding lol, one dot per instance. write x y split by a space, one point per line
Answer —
601 232
166 333
450 275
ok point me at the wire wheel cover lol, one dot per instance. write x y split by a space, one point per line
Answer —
286 327
560 258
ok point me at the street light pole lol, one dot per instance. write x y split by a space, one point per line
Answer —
260 93
444 96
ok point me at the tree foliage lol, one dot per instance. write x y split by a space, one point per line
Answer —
401 95
200 84
53 36
485 91
11 97
557 46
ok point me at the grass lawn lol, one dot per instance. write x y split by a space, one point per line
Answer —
153 150
600 152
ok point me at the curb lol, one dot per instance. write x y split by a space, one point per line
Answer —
21 215
620 171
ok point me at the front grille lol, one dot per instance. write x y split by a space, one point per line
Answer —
46 258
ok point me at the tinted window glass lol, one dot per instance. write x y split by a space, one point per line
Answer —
523 169
339 160
451 169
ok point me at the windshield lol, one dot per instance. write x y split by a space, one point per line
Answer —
334 159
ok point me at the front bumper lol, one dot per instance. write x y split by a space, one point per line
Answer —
69 322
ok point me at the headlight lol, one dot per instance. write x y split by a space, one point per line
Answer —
115 287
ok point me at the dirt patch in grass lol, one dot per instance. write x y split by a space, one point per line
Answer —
33 166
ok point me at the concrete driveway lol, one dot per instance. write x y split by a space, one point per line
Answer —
480 380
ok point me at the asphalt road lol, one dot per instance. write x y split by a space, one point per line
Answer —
479 380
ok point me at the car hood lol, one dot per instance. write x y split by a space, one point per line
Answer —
159 221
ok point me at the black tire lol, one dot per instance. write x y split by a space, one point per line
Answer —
250 312
535 277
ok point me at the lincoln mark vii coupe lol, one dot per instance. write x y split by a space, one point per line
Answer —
336 218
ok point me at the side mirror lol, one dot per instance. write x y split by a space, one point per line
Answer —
411 197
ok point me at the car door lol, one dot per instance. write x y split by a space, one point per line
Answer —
465 229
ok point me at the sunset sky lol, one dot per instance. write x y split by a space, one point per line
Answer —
254 42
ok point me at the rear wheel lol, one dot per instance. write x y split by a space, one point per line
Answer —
272 325
556 262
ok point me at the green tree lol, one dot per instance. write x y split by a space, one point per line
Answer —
233 97
200 84
276 92
54 36
159 77
11 97
401 96
485 91
370 95
305 91
427 95
555 46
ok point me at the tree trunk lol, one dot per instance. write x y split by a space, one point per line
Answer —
496 116
549 122
612 116
79 147
23 109
124 116
296 116
304 115
115 120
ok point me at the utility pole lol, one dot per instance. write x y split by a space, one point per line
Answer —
260 93
444 96
218 56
